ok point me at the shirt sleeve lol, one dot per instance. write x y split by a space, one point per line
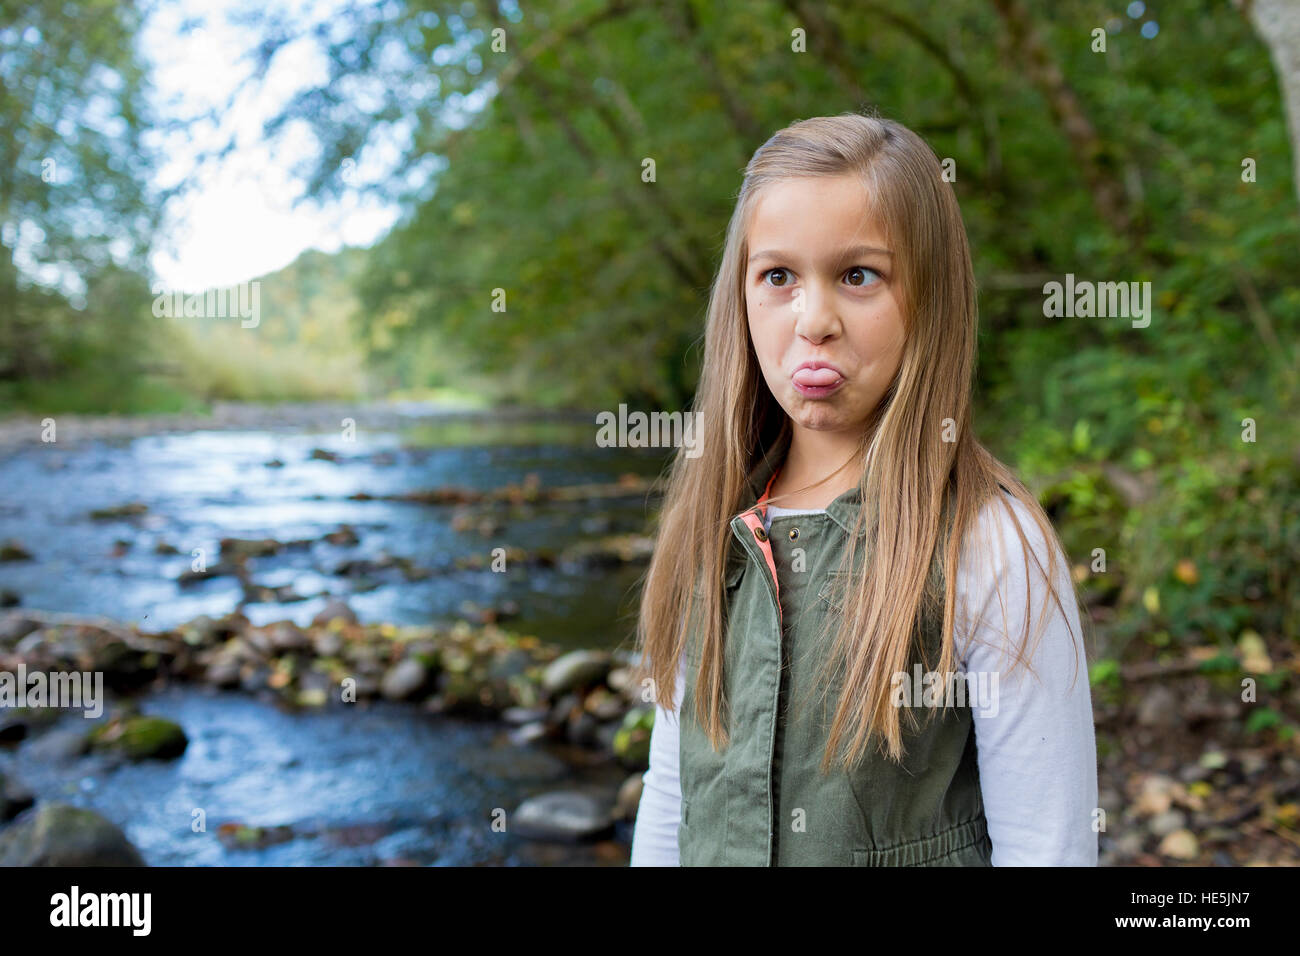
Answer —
654 838
1036 742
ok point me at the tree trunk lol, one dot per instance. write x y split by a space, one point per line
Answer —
1278 24
1029 48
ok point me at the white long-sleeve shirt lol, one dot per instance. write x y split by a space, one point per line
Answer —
1036 750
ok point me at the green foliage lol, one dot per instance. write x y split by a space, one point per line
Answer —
304 345
76 213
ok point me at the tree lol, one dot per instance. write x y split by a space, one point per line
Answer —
75 206
1278 24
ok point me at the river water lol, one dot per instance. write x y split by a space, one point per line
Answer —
385 783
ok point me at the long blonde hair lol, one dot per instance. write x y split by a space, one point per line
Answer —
918 453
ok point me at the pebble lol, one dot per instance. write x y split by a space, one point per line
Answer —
404 679
1180 845
1166 823
1158 707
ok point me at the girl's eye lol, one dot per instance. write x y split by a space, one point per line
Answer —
862 272
859 276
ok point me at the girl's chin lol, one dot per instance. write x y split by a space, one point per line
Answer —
819 414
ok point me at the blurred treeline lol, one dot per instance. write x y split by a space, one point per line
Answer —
520 169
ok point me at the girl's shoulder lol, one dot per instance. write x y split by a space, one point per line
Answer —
1006 544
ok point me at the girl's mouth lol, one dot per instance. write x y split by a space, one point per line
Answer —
816 379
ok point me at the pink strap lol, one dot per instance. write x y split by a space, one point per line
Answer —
753 519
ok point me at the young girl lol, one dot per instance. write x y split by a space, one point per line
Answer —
887 669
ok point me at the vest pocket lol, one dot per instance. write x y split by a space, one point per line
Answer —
831 593
966 844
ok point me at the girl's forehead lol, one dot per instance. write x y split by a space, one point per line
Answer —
814 213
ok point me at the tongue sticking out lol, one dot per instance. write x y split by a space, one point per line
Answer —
816 377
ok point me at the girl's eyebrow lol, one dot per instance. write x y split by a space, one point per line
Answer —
846 254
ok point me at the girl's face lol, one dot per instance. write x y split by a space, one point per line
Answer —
823 312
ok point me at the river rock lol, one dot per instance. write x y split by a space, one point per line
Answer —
124 667
236 549
287 636
581 729
404 679
564 815
55 834
518 716
140 738
14 627
604 705
218 570
326 643
527 733
464 694
562 708
334 609
575 669
13 729
59 746
12 549
14 798
131 510
364 686
345 537
223 672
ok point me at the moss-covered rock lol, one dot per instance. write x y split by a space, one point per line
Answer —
632 742
140 738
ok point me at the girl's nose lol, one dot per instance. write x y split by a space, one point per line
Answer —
815 317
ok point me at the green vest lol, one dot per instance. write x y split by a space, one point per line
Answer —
761 800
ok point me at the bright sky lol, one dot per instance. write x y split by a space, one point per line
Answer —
239 221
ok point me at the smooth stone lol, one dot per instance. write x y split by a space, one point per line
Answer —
55 834
404 679
527 733
575 669
518 716
564 815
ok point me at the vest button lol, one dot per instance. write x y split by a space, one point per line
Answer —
794 534
760 534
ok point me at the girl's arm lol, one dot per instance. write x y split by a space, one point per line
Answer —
1037 747
654 840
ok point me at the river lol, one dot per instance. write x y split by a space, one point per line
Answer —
385 783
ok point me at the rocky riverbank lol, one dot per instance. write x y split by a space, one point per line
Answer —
242 416
583 700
